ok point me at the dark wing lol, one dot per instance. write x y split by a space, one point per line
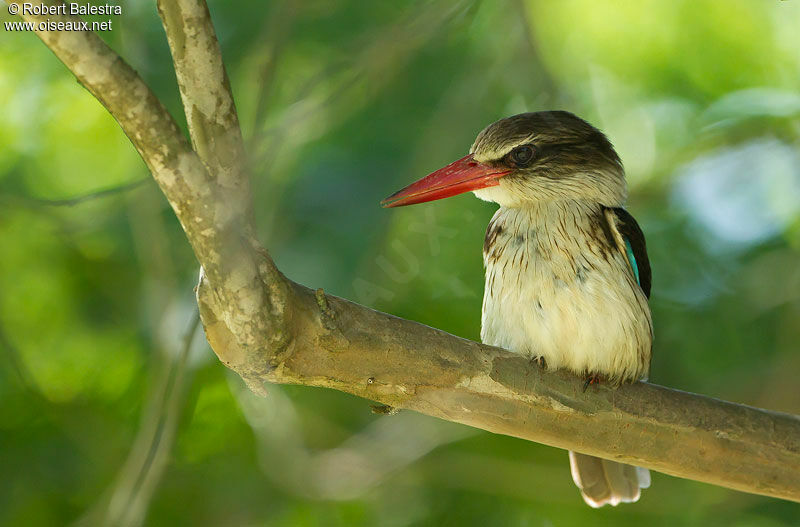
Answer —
635 246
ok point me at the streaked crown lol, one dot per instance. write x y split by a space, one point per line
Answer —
554 155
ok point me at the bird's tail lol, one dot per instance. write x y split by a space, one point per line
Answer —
607 482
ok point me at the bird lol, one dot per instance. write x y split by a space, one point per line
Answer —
567 273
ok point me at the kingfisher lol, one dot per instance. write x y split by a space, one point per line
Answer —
567 274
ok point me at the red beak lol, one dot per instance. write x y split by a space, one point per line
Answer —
464 175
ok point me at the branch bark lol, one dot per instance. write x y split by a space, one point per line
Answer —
269 329
206 94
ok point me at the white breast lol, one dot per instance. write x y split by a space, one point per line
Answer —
556 289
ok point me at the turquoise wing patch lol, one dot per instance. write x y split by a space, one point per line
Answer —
632 260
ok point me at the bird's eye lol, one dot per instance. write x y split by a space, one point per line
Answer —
522 156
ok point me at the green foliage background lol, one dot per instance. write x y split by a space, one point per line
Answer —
342 103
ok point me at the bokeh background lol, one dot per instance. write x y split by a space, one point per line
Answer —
114 409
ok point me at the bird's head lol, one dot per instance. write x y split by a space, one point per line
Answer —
528 158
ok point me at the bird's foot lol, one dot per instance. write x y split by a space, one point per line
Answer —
383 409
539 361
592 379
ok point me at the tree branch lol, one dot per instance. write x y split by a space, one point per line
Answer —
153 132
269 329
404 364
206 94
238 295
211 205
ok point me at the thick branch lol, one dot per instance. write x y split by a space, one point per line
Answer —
253 312
347 347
